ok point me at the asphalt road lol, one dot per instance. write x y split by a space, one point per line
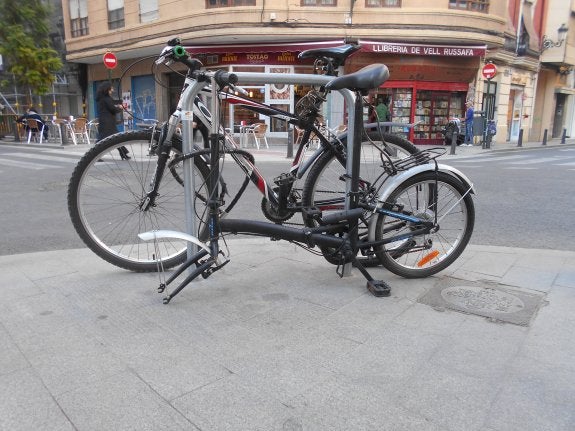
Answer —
524 199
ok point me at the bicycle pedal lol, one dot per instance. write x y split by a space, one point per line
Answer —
378 288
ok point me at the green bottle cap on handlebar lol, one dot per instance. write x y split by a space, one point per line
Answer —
179 51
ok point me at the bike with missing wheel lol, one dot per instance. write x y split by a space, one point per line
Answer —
110 200
418 214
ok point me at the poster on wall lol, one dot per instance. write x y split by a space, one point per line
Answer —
280 92
127 103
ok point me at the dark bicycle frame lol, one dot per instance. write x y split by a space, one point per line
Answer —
298 167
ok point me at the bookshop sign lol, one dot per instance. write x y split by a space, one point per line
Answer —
425 50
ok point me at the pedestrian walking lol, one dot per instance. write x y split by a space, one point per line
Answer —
469 124
107 111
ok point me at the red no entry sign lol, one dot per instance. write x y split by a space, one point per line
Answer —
489 71
110 60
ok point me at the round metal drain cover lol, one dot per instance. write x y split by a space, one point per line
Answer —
478 299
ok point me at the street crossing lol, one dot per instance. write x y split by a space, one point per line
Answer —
564 159
526 160
38 159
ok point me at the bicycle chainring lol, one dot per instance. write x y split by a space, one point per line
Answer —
273 214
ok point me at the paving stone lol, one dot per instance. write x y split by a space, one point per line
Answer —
231 404
27 405
121 402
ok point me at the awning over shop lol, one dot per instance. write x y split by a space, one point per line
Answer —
262 47
367 46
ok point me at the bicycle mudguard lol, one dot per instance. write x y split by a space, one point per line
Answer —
158 234
393 182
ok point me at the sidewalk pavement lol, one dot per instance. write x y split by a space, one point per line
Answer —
277 341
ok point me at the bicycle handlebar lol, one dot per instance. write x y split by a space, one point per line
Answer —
178 53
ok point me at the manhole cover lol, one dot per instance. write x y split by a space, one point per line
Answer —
486 299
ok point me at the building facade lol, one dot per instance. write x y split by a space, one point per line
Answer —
435 51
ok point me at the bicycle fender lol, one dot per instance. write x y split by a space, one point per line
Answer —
395 181
150 235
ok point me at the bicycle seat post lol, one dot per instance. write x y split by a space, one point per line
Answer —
213 192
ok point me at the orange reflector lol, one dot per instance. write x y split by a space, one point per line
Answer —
428 258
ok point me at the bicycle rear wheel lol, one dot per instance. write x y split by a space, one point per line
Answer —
325 186
105 195
427 254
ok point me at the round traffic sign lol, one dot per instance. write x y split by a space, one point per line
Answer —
489 71
110 60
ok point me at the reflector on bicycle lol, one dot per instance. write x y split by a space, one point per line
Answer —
428 258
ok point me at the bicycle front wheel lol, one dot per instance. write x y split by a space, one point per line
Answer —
325 185
431 196
106 193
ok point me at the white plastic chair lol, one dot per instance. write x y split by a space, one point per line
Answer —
80 130
60 125
35 128
259 132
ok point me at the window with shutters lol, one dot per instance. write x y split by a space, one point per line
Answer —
319 2
229 3
148 10
78 17
115 14
382 3
472 5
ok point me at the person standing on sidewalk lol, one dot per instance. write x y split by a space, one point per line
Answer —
469 124
107 111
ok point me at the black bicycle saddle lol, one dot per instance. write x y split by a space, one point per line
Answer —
337 54
365 79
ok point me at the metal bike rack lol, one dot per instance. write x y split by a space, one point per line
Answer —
252 78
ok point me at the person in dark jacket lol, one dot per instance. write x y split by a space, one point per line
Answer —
107 111
33 115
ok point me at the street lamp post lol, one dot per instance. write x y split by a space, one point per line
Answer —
547 43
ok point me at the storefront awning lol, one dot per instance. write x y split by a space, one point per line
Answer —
262 47
366 45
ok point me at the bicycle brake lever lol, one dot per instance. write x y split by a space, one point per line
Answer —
239 89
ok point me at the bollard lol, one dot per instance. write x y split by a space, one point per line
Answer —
544 138
454 141
291 131
63 133
563 136
520 139
15 131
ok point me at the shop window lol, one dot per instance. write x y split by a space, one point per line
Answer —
229 3
319 2
399 106
148 10
472 5
115 14
78 17
382 3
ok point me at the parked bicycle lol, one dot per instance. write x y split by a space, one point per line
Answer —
419 213
110 201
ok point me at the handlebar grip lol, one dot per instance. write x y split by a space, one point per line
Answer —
225 78
180 54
